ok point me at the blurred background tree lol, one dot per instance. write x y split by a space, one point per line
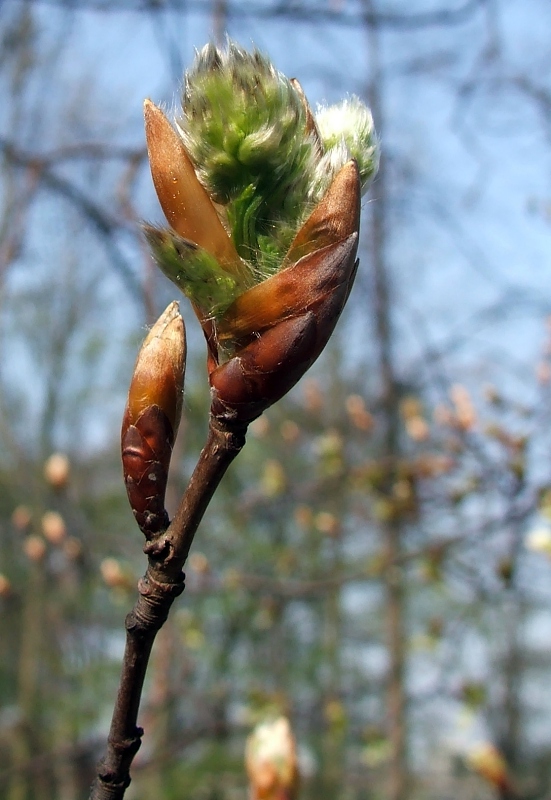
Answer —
376 563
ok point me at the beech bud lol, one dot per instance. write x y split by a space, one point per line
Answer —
34 547
53 527
271 761
21 518
263 199
5 586
486 760
151 419
57 470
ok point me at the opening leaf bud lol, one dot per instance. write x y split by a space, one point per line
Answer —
271 761
486 760
263 201
152 417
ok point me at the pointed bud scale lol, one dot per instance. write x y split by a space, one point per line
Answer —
264 370
183 199
335 217
151 419
320 258
270 365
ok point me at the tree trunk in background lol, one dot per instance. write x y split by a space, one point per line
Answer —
28 777
391 529
511 723
334 725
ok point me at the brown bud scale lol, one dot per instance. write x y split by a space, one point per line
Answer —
146 451
272 363
151 419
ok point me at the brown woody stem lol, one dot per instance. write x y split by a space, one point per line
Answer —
162 583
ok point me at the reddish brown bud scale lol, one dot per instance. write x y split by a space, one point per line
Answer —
151 419
146 451
335 217
263 371
281 325
270 365
183 198
293 291
317 262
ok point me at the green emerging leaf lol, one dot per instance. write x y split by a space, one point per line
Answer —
195 271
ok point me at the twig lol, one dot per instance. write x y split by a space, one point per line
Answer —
162 583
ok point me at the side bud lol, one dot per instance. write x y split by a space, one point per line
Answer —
151 419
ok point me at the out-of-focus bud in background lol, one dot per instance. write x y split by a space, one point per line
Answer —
271 761
152 417
116 576
487 761
57 470
21 518
34 547
53 527
538 540
5 586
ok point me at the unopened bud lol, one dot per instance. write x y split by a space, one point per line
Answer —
72 548
5 586
486 760
327 523
538 540
464 410
114 576
271 761
417 429
53 527
358 413
56 470
199 563
21 518
152 417
34 547
289 431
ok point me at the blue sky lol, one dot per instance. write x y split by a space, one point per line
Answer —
468 153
